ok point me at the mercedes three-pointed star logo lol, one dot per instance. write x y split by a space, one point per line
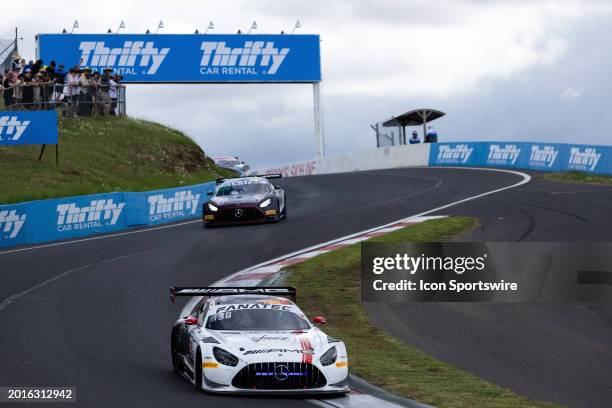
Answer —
281 372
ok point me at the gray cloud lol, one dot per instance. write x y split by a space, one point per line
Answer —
497 67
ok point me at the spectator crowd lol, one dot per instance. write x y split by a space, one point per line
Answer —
81 92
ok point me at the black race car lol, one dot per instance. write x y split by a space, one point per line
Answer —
245 200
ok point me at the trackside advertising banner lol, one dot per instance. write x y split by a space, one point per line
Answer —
555 157
164 58
28 127
72 217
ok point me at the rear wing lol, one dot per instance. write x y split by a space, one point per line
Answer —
230 291
267 176
270 176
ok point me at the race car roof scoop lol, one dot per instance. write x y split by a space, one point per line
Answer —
231 291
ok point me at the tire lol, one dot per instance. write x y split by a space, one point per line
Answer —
198 372
177 366
285 208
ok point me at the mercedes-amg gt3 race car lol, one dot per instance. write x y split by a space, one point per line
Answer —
245 200
254 340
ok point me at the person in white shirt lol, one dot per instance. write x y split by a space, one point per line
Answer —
112 93
72 91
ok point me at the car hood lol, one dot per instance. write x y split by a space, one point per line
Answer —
273 345
238 199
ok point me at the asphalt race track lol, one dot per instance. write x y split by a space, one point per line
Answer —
96 315
554 352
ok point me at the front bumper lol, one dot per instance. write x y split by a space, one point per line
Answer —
333 389
222 379
239 215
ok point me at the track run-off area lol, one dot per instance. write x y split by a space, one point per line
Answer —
94 313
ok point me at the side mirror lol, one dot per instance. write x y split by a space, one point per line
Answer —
277 187
210 193
320 320
190 321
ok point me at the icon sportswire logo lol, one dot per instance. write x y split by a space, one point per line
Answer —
544 156
98 213
133 54
583 160
11 223
217 58
507 155
11 128
459 154
181 204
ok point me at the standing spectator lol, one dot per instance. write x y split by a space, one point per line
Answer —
9 92
415 138
112 92
60 80
104 93
432 135
38 90
27 90
17 61
72 91
25 67
37 67
95 92
85 92
17 86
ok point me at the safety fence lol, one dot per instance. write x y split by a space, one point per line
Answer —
551 157
72 217
73 100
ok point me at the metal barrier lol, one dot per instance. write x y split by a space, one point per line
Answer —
538 156
72 217
75 100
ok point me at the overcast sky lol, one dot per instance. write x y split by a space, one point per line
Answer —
501 69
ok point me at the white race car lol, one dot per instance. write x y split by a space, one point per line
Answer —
254 340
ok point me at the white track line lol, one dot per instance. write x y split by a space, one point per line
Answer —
75 241
526 179
352 401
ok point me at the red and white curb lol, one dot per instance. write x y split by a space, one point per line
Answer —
254 275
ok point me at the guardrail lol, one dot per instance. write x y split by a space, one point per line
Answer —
551 157
72 217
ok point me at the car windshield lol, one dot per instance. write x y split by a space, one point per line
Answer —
228 163
253 319
235 189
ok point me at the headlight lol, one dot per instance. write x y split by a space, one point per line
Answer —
212 207
265 203
329 357
226 358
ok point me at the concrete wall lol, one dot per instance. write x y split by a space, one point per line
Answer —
383 158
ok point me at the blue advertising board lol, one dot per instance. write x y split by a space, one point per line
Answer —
174 58
28 127
555 157
72 217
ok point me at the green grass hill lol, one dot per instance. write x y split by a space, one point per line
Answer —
105 154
